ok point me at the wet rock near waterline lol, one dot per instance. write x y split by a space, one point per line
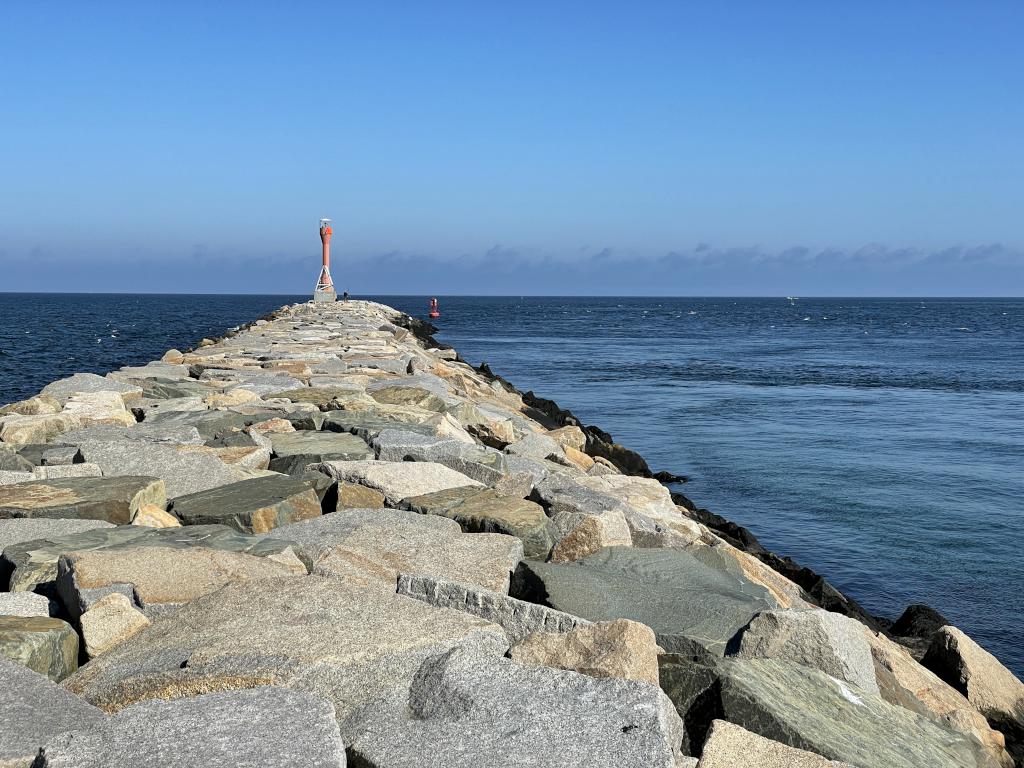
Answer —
113 499
250 506
989 686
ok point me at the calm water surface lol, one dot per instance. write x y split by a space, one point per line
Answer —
878 441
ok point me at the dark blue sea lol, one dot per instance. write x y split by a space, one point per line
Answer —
878 441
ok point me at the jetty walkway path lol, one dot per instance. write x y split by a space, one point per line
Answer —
323 538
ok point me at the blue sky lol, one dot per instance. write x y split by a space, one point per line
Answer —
644 148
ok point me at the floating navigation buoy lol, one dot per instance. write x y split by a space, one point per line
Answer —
434 311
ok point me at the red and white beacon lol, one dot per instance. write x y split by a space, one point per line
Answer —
434 311
324 285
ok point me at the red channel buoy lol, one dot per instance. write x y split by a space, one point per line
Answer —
434 311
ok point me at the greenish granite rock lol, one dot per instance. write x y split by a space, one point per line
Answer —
44 645
250 506
294 451
675 592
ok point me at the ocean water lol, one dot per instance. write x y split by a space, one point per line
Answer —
878 441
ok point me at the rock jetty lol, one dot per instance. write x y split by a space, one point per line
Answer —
324 539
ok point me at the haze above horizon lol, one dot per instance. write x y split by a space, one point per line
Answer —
466 148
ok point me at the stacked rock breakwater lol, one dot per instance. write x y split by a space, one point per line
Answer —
323 539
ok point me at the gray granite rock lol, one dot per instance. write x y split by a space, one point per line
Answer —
397 480
45 645
24 604
318 635
32 563
157 578
369 424
89 382
34 710
294 451
182 471
12 461
831 642
479 462
266 726
250 506
371 547
13 478
114 499
807 709
516 617
673 591
82 469
484 510
150 431
463 711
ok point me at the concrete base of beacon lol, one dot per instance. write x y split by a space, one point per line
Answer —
321 297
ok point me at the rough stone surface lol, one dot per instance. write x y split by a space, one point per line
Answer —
114 499
370 547
807 709
91 408
486 511
53 472
250 506
33 562
8 477
110 621
294 451
34 710
977 674
152 516
35 429
397 480
463 711
182 471
155 576
316 634
355 496
517 617
79 383
478 462
47 646
729 746
831 642
682 598
265 726
906 683
620 648
24 604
